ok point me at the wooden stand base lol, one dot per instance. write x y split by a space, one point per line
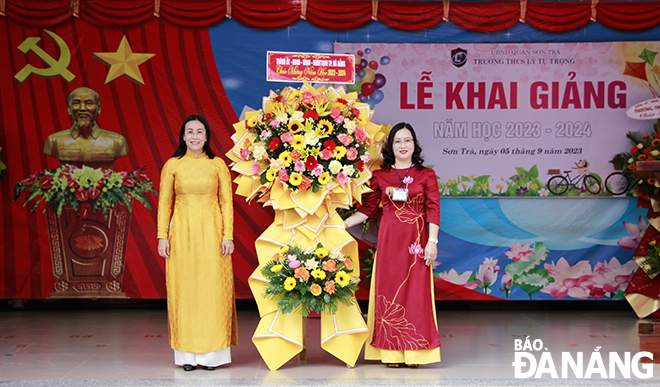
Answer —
89 252
649 340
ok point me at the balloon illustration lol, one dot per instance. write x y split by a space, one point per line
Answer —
368 89
377 96
355 87
371 103
368 76
379 81
367 81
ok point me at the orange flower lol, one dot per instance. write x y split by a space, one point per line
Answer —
315 289
641 157
655 142
651 181
646 136
348 264
330 287
305 183
301 273
295 155
330 266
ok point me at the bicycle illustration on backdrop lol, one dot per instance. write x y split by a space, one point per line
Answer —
616 182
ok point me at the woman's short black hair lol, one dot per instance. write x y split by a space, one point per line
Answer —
388 152
183 148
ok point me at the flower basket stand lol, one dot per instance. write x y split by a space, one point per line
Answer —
88 252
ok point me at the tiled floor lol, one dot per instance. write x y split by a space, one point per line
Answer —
113 347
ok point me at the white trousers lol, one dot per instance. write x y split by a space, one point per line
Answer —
209 359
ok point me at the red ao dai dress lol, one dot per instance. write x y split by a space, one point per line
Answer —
401 317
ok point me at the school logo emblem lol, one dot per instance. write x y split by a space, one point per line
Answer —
458 57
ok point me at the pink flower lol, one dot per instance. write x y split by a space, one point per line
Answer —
283 175
613 276
458 279
334 113
366 157
339 119
287 137
294 264
416 249
351 154
299 166
342 178
245 154
344 138
360 135
408 180
326 154
487 274
266 133
519 253
307 97
274 123
255 168
318 170
569 280
507 282
636 232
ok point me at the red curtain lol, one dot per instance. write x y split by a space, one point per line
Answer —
403 16
555 17
487 16
633 16
338 15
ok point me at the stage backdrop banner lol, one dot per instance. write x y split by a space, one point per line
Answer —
501 119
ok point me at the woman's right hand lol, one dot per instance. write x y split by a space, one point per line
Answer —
163 248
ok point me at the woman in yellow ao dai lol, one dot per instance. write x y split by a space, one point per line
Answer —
196 239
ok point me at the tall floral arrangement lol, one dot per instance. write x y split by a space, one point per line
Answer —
84 189
305 139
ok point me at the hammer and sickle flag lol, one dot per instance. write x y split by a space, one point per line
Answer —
56 67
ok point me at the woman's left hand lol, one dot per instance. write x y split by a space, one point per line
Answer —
227 247
430 253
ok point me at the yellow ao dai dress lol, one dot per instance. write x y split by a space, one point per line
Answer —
200 283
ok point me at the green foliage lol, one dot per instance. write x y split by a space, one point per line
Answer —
527 275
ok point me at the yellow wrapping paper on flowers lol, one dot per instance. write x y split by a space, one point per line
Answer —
307 218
